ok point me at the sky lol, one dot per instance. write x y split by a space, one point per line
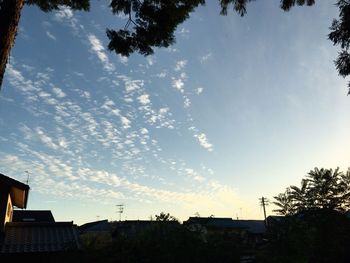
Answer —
237 109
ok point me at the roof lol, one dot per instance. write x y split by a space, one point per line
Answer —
101 225
253 226
18 191
24 237
32 216
127 223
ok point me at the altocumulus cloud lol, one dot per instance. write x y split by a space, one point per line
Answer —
203 141
99 50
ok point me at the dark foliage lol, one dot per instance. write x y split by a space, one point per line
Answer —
160 242
154 24
49 5
340 35
155 21
316 223
321 189
315 235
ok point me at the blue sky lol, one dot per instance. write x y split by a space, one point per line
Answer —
237 109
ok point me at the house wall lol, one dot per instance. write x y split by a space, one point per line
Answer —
9 210
4 199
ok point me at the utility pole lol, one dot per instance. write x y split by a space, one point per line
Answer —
120 210
264 202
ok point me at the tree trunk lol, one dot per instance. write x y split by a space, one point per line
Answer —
10 13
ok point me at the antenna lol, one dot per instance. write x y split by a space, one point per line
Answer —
28 174
120 210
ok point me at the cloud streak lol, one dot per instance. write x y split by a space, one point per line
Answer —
97 48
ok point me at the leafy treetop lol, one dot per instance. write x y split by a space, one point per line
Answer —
166 217
321 189
49 5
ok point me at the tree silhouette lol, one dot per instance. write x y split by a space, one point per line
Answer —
155 21
315 226
321 189
162 217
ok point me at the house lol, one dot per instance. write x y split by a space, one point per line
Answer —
95 234
101 226
226 225
32 216
34 231
132 228
36 237
12 193
252 232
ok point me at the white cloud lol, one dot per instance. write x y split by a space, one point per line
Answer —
128 99
194 175
125 121
203 141
163 110
187 102
50 35
64 13
58 92
162 74
144 99
199 90
86 95
27 132
178 84
46 24
184 31
130 84
144 131
204 58
28 68
123 59
45 138
98 49
50 174
19 82
150 60
62 142
180 65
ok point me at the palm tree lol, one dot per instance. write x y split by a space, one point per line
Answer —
322 189
300 195
285 203
326 188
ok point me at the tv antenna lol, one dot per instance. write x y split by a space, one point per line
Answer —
120 210
28 174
